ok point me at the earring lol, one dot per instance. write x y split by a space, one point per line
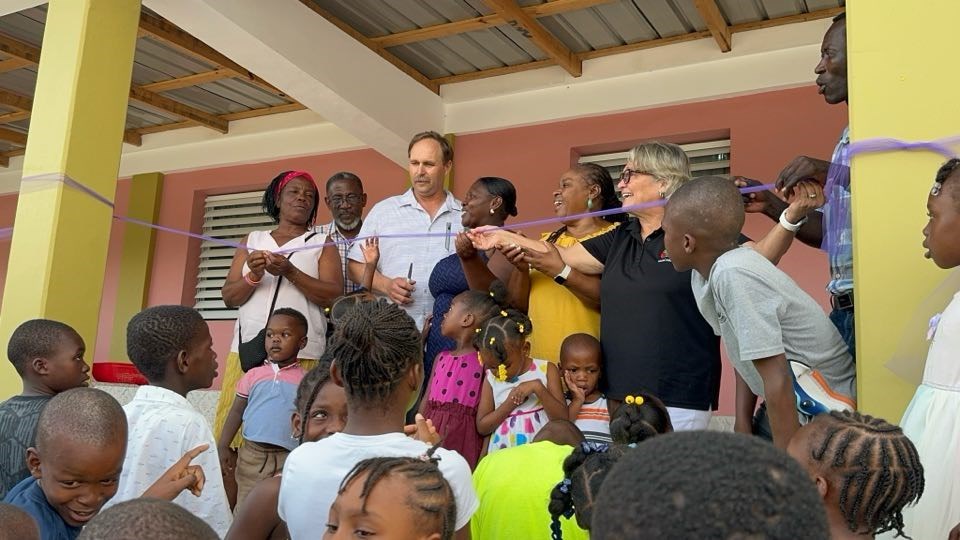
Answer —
589 203
662 194
492 211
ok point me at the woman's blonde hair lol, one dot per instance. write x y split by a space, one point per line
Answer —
666 162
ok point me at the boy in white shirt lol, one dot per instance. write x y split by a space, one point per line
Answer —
379 363
172 347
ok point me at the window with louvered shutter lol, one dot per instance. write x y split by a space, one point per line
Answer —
706 158
228 217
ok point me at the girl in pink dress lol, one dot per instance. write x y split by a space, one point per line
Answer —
453 391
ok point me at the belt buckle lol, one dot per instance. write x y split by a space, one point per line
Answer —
842 302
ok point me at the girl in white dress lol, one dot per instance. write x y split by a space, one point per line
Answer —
932 420
520 394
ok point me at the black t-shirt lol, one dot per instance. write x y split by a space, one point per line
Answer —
18 427
653 336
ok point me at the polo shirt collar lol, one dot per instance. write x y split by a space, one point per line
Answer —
633 227
451 204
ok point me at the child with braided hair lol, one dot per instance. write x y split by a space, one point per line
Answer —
639 418
865 469
320 410
378 360
453 390
520 394
406 497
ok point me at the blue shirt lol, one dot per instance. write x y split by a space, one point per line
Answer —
28 496
837 224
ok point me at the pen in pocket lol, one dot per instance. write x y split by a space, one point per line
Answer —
448 237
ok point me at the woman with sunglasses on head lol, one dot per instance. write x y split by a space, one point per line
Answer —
264 276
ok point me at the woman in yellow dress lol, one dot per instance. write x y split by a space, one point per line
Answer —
561 301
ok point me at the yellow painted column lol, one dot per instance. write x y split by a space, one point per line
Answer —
136 259
901 85
59 246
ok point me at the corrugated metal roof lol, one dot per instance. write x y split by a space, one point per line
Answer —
602 26
154 61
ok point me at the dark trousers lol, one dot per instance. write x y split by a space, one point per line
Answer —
843 320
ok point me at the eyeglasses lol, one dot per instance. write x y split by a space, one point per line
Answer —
351 199
626 174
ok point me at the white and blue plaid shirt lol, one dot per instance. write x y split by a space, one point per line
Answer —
837 223
343 246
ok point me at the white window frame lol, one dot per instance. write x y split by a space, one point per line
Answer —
227 217
720 149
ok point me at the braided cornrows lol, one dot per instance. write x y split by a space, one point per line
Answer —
484 306
157 334
430 494
308 389
584 471
634 423
946 172
879 468
507 326
374 345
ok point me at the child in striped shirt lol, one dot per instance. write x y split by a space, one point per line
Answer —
586 405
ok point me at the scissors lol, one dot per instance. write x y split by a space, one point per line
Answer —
410 273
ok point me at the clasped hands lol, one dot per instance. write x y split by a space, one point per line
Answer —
544 257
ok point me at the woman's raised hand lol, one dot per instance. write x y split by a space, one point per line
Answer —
485 237
464 245
806 197
257 263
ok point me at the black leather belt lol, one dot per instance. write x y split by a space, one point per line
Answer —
842 302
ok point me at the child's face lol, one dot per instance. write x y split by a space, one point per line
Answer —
66 368
201 361
451 325
327 414
285 338
583 368
386 515
942 233
77 479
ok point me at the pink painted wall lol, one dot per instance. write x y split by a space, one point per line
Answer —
766 131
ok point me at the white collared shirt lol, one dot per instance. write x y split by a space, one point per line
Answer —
403 214
162 426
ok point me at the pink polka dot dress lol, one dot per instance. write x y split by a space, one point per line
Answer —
452 401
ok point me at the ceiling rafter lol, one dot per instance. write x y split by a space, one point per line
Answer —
172 106
715 22
189 80
480 23
162 30
373 46
530 28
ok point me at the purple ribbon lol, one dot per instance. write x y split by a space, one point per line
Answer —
941 146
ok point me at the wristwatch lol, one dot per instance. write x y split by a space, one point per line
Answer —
792 227
561 278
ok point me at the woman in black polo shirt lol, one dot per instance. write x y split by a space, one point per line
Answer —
653 336
654 339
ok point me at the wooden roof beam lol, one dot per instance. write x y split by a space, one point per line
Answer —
189 80
715 23
11 64
480 23
166 32
15 137
15 101
527 25
179 109
373 46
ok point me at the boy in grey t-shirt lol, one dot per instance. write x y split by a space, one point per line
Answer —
763 317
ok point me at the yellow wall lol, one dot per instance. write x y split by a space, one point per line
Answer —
59 247
903 84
